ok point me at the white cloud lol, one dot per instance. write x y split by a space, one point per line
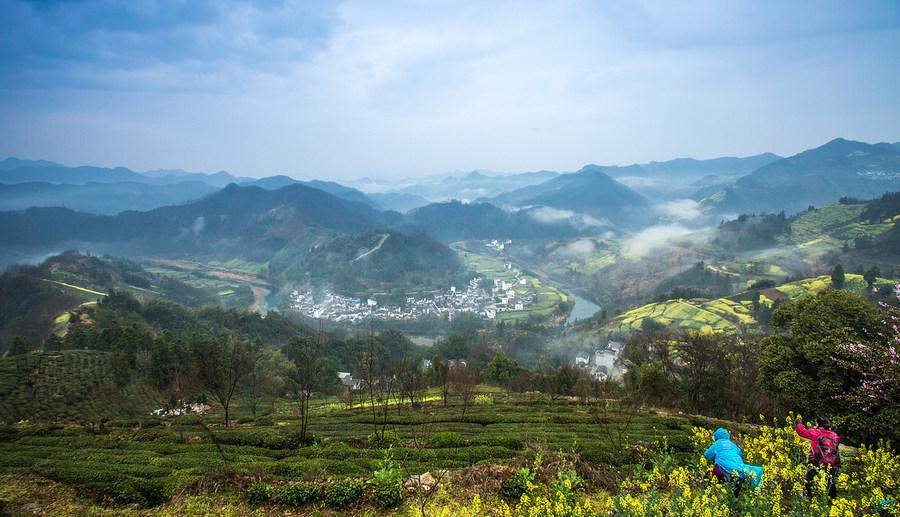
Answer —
654 239
681 209
576 250
550 215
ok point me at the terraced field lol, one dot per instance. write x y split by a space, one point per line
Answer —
68 386
725 314
145 461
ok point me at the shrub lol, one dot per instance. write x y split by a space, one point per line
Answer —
387 483
259 437
143 492
447 440
298 494
259 494
387 439
517 484
245 420
265 421
344 493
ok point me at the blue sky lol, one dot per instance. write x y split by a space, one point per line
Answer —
342 90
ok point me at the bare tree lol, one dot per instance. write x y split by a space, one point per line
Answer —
441 376
305 354
378 384
412 382
222 364
463 380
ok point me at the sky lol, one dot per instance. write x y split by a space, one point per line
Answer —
342 90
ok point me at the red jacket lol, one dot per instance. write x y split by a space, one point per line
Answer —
813 436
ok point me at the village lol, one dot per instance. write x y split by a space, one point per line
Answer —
498 296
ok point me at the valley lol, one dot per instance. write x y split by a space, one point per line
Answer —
277 339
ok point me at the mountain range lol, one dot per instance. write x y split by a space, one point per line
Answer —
839 168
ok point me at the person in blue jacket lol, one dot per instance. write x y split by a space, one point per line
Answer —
729 460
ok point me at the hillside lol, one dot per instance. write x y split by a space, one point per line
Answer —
728 313
815 177
36 300
590 191
452 221
247 222
74 385
100 198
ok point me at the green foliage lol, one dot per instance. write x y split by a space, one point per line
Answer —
339 494
298 494
799 367
383 440
387 482
517 484
446 439
259 494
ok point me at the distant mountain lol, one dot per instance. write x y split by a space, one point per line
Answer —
452 221
725 166
589 191
72 175
15 163
398 201
100 198
236 221
13 170
815 177
472 186
348 193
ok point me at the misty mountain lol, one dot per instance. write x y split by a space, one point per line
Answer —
336 189
693 169
452 221
816 177
55 173
398 201
100 198
589 191
236 221
472 186
13 170
15 163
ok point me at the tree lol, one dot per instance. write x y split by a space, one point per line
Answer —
802 366
876 394
18 346
441 376
305 355
222 364
837 277
870 276
267 378
378 385
501 369
463 380
703 369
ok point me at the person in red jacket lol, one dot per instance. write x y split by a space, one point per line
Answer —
823 453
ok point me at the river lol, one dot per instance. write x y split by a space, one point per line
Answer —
582 309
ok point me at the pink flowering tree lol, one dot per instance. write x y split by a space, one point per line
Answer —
877 362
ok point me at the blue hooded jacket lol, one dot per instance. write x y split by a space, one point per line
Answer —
727 455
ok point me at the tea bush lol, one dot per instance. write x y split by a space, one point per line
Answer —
345 493
298 494
259 494
446 440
